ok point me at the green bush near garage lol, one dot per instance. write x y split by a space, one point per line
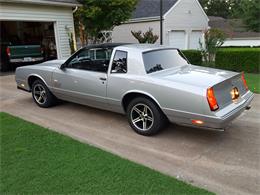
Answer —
238 59
194 56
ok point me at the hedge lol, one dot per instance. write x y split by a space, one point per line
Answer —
238 59
194 56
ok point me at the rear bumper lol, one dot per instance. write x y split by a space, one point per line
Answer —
219 121
24 60
225 118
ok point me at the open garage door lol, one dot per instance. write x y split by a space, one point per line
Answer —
24 43
177 39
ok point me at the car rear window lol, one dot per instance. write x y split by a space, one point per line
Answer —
158 60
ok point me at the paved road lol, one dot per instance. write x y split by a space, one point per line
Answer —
223 162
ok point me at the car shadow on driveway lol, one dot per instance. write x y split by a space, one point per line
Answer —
169 132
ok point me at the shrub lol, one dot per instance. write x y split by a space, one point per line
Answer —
213 39
147 37
239 59
194 56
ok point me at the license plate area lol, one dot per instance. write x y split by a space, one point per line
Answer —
234 93
27 59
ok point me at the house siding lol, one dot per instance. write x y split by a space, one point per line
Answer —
122 33
60 16
252 42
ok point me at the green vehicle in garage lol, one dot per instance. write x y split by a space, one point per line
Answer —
17 55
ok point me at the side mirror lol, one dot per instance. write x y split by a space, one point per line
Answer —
62 67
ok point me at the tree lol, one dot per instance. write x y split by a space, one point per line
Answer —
249 12
213 38
147 37
99 15
220 8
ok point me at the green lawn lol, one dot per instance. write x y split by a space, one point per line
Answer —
253 82
35 160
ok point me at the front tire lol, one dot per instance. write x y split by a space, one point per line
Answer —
145 117
42 95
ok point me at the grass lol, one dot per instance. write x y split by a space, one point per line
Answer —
253 82
35 160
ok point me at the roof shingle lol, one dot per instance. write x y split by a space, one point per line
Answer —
151 8
234 28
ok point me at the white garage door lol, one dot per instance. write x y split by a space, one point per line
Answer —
194 39
177 39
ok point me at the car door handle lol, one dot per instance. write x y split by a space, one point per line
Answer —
102 78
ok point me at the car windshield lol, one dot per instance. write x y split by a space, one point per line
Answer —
158 60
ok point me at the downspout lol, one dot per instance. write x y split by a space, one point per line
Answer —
75 9
74 34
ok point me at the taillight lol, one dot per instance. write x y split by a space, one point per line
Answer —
8 51
244 80
212 99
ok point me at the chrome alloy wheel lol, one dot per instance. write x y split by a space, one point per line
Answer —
142 117
39 94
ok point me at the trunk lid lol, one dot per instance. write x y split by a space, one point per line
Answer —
223 90
195 75
222 81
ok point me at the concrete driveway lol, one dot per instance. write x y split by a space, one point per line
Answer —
222 162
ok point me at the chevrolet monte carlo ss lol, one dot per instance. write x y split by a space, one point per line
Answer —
150 84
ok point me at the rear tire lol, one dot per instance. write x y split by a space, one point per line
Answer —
145 117
42 95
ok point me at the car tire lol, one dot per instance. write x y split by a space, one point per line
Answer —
145 116
42 95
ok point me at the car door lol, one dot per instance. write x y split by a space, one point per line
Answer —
83 79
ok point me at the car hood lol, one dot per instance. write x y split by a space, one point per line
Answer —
195 75
54 63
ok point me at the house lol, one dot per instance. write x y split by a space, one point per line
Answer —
45 22
184 22
236 32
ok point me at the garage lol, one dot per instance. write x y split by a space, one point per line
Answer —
35 31
26 43
177 39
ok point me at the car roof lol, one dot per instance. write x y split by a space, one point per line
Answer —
145 47
142 47
104 45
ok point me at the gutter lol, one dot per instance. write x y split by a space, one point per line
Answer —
145 19
42 2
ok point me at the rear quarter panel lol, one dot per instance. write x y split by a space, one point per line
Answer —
176 96
169 96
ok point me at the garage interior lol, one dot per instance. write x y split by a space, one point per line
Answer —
29 33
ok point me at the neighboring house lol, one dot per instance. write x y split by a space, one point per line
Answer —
237 34
39 21
184 22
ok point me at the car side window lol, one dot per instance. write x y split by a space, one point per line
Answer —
83 57
119 64
91 60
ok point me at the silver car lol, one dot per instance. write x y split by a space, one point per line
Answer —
150 84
